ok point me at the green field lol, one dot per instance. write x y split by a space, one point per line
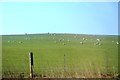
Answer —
85 55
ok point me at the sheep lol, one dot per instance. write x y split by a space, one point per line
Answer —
117 43
20 42
81 42
99 44
68 40
26 39
98 39
8 41
83 38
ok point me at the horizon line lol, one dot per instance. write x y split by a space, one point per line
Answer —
56 33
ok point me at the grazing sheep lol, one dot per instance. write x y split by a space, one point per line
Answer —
8 41
83 38
117 43
99 44
26 39
20 42
68 40
98 39
81 42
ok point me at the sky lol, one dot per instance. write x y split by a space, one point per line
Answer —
59 0
59 17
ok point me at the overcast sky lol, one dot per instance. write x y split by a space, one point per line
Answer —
60 17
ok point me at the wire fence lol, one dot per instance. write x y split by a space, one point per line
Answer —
58 69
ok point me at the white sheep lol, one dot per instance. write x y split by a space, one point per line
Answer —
68 40
98 39
99 44
26 38
117 42
83 38
8 41
20 42
81 42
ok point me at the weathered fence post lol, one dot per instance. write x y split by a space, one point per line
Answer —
31 65
64 62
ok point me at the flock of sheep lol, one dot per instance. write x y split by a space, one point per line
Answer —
12 41
15 41
83 41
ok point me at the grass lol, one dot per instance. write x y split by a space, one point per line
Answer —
82 60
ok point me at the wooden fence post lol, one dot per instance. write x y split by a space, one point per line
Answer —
31 65
64 62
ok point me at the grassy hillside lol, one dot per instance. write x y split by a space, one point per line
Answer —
84 54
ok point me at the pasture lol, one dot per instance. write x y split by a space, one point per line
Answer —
85 55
